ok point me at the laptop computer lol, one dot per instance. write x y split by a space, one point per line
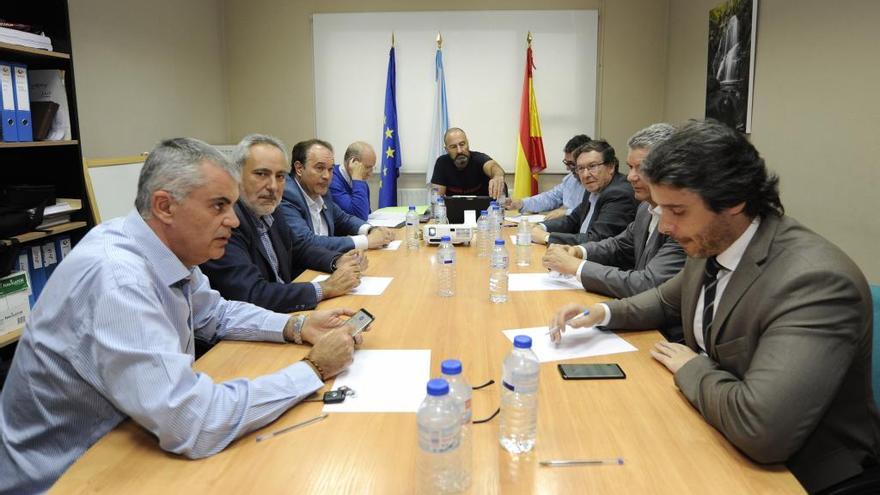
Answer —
457 205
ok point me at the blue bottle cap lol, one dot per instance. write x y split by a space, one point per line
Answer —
445 238
484 212
439 386
450 367
412 207
440 201
522 342
493 203
499 242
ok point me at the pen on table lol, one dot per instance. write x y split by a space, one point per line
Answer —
307 422
582 462
585 313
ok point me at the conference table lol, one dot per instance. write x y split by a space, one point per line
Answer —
665 444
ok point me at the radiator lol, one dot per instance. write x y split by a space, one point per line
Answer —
412 196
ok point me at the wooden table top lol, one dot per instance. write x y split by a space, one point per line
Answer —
665 444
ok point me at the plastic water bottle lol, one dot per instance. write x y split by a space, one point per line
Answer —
483 233
439 463
412 228
519 397
433 194
496 216
446 267
524 242
440 212
461 393
498 273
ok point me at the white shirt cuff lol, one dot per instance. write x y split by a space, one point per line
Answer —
360 241
605 321
583 251
581 269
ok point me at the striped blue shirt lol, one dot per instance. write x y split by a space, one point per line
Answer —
112 337
568 193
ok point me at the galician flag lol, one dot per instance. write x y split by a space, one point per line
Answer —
441 115
390 153
530 159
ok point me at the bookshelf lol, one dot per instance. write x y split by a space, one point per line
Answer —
58 163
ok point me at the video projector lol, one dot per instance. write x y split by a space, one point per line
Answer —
458 233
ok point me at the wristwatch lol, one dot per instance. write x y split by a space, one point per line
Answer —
297 329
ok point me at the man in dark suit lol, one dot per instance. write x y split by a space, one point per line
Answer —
310 211
608 205
640 257
263 255
777 320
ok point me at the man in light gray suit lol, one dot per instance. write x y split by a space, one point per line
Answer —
640 257
777 320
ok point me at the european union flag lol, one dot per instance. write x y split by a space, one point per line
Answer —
390 140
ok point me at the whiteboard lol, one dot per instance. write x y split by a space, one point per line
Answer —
484 60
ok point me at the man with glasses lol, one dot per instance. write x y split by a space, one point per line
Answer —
607 207
565 196
464 172
312 214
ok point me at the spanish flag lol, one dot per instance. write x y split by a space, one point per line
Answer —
530 159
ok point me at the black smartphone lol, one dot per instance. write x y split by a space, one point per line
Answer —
591 371
359 321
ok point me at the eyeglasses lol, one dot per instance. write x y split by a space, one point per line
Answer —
592 168
568 164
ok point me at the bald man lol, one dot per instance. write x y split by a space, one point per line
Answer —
349 187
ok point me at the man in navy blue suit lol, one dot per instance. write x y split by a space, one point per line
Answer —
349 187
263 255
313 215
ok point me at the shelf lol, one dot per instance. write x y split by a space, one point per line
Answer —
32 53
13 336
31 236
38 144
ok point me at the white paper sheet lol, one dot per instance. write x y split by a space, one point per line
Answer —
542 281
531 218
392 246
386 219
384 381
576 343
370 286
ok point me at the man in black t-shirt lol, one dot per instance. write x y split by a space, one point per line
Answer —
465 172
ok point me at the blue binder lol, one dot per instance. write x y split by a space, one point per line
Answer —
7 103
50 258
22 103
36 270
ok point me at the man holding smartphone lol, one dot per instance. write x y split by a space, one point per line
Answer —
777 320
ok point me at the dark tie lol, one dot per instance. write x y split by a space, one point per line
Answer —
710 280
270 250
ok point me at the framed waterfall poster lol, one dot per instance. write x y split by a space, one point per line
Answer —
730 67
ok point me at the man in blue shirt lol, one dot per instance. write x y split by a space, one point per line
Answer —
112 335
564 197
349 187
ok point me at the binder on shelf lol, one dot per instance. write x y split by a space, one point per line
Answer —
48 86
23 267
50 258
63 245
7 103
36 270
22 103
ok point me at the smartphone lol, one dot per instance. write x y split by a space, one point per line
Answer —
360 321
590 371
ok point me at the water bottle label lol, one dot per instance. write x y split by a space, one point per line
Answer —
448 262
440 441
523 388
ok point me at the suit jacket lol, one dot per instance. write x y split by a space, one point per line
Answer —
245 274
354 199
339 223
788 372
615 209
629 263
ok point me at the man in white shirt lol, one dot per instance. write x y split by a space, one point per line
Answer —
776 319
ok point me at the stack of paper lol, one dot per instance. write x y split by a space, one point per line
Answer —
16 37
384 218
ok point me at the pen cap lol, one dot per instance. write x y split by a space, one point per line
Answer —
522 342
438 387
450 367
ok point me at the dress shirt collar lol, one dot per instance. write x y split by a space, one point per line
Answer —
167 265
344 173
315 205
654 211
730 257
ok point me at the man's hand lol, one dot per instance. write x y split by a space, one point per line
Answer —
573 251
321 322
333 352
496 186
673 356
354 257
539 235
558 212
513 204
346 277
556 258
358 170
575 316
379 237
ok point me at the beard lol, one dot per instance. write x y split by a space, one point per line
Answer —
461 161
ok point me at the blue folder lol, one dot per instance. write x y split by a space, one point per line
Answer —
22 103
8 129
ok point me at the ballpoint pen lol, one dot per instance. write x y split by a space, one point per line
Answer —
582 462
307 422
585 313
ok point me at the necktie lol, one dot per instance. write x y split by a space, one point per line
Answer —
270 250
710 280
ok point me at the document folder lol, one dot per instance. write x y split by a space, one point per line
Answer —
7 103
22 104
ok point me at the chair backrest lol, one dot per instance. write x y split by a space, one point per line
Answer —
875 365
